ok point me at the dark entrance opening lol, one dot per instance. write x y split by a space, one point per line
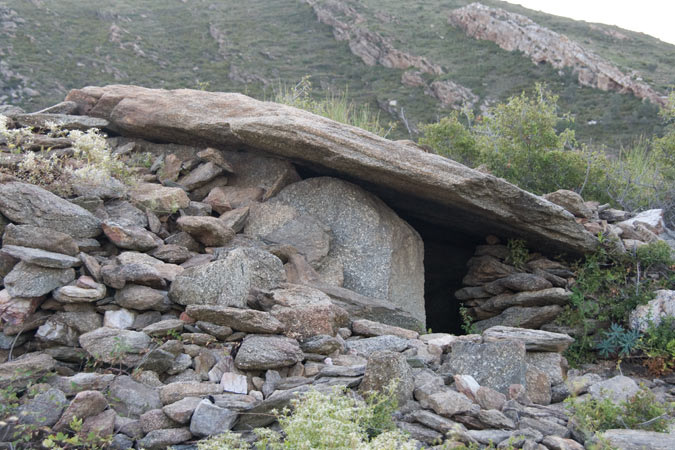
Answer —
446 253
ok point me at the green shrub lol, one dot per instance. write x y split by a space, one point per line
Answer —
336 420
520 141
607 288
336 106
641 411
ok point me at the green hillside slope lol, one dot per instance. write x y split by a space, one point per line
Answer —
50 46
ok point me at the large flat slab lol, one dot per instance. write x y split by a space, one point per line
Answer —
426 186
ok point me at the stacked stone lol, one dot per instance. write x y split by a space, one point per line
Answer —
626 231
498 293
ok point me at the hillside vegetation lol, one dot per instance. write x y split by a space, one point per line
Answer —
48 47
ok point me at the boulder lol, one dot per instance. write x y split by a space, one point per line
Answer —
366 234
227 281
85 404
76 294
261 352
366 327
163 439
496 365
31 205
142 298
550 296
181 411
44 409
124 214
423 184
367 346
447 403
200 176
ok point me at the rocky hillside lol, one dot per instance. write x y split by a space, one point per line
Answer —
409 60
217 257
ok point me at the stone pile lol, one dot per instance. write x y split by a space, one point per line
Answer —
532 293
222 286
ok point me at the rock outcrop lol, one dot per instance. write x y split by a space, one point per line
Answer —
516 32
425 185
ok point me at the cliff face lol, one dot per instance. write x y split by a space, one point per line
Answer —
373 49
516 32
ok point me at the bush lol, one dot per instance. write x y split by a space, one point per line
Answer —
93 162
520 141
352 423
607 288
641 411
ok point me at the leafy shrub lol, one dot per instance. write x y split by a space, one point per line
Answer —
520 141
336 106
518 253
352 423
641 411
607 288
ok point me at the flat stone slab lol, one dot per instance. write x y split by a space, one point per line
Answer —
639 439
534 340
428 186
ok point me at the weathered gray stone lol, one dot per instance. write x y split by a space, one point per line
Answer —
124 214
367 234
227 281
654 311
485 269
173 392
516 282
494 364
436 422
64 121
488 398
113 345
164 327
260 352
248 320
538 386
42 238
83 381
159 199
155 419
210 231
367 327
44 409
75 294
40 257
162 439
85 404
521 317
129 237
551 296
617 389
181 411
131 398
209 419
367 346
571 201
322 344
27 280
56 332
549 363
236 219
31 205
447 403
559 443
305 311
639 440
386 367
422 184
142 298
534 340
200 176
224 198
